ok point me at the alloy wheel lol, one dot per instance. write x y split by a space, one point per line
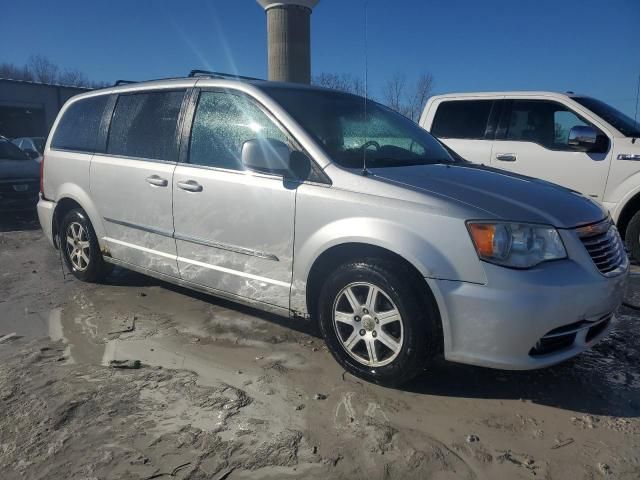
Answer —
77 246
368 324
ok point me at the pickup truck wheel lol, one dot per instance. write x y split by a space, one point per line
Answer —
377 323
80 247
632 236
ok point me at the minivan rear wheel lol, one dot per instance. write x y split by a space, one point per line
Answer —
378 324
80 247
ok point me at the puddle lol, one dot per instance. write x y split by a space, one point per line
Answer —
173 331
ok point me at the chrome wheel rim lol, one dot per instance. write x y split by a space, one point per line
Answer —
77 245
368 324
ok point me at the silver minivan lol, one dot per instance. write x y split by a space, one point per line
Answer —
326 207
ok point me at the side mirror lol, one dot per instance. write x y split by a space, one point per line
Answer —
32 154
299 166
583 138
266 155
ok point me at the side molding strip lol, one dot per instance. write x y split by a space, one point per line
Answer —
198 241
224 246
144 228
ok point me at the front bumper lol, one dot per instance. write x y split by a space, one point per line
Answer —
526 319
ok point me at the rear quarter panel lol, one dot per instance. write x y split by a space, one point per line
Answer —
67 175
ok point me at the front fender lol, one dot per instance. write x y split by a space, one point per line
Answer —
625 192
444 252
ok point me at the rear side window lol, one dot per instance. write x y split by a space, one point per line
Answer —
144 125
78 128
462 119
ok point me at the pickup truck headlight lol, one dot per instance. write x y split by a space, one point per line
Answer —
516 245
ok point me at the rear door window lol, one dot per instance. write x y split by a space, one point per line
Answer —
78 128
462 119
144 125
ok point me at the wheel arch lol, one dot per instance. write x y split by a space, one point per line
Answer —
70 197
628 210
341 253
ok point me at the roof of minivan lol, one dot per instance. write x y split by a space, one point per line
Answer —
190 81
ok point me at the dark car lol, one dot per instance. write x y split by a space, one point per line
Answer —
19 179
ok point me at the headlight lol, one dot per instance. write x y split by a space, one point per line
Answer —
517 245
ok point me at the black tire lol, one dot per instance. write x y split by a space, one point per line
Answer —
632 237
96 269
421 325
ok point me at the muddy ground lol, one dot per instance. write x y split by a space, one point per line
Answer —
225 392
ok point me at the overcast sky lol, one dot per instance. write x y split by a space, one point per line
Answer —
588 46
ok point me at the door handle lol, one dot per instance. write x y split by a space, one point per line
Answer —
157 181
190 186
506 157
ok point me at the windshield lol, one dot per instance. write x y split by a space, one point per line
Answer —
337 122
617 119
8 151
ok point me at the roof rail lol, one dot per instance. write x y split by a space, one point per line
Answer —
207 73
124 82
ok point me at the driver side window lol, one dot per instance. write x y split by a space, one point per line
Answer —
542 122
222 123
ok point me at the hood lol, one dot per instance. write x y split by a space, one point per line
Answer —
497 193
24 169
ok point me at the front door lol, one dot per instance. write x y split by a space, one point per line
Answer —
532 139
233 228
132 183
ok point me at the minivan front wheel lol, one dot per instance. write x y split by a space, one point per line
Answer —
80 247
377 323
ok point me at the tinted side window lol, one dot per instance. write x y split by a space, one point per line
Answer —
144 125
462 119
563 122
79 125
542 122
222 123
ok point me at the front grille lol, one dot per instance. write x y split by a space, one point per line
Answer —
605 247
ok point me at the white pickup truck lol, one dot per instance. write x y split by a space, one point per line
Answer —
572 140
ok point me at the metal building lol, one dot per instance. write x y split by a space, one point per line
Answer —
28 109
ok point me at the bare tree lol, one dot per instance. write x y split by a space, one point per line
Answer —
393 92
408 99
421 93
43 69
9 70
75 78
344 82
40 69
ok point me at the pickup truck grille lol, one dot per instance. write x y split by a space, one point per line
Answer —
605 247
